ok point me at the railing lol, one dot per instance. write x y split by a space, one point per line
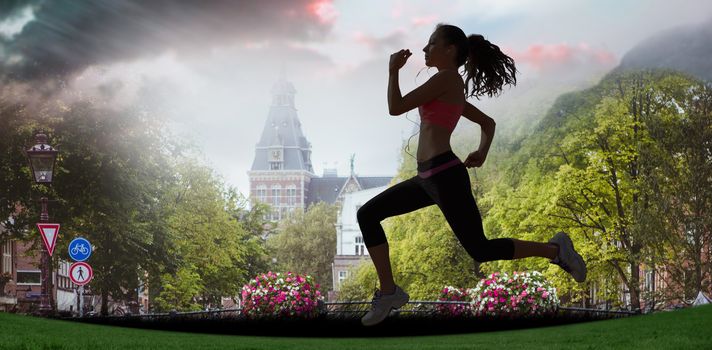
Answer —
350 308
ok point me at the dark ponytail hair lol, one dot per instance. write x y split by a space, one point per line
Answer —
486 66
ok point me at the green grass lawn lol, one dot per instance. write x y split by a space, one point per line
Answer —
683 329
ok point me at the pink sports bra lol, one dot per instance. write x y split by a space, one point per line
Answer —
441 113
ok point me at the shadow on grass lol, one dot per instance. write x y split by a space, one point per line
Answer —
399 324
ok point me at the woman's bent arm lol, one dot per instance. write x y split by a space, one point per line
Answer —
486 123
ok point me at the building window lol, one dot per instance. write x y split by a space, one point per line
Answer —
276 195
292 195
262 193
7 257
649 280
359 245
28 278
342 276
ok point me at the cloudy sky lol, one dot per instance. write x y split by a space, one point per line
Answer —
208 66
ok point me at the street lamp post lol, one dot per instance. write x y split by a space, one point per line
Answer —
42 158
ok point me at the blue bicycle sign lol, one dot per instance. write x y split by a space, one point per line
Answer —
79 249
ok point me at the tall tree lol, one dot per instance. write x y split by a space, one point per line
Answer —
108 178
305 243
112 169
205 238
253 221
589 173
679 183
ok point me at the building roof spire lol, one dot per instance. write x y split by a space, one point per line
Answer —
282 128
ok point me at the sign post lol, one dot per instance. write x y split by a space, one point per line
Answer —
81 301
80 272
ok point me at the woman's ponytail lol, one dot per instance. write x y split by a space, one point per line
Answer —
487 67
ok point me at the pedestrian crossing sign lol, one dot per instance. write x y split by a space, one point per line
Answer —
80 273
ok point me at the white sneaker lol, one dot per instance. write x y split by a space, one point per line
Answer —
381 306
568 259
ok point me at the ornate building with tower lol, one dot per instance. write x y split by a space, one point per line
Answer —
282 174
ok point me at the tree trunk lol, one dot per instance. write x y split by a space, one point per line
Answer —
104 302
698 273
634 286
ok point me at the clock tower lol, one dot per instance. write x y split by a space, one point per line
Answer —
281 171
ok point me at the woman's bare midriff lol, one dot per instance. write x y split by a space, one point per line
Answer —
433 140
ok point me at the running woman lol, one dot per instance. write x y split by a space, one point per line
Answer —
442 177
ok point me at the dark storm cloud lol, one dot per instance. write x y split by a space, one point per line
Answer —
10 8
66 36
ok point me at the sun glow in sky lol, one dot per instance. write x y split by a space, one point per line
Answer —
209 68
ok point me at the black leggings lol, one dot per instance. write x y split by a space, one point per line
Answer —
442 180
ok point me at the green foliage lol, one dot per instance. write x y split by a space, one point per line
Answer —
254 224
108 178
151 210
591 171
179 290
305 241
204 234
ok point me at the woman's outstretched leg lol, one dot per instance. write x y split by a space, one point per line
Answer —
451 191
525 249
399 199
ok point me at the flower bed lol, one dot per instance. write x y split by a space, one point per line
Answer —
519 295
277 294
454 294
